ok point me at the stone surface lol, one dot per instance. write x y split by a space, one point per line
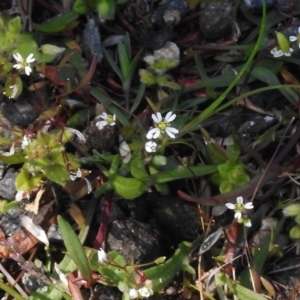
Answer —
7 185
216 20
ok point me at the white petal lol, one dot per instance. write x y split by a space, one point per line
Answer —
102 257
293 38
248 223
279 53
238 215
35 230
240 200
112 124
230 205
144 292
153 133
114 117
124 150
28 70
133 294
104 116
249 205
170 132
150 146
100 125
170 117
30 58
18 57
17 66
157 117
274 50
287 54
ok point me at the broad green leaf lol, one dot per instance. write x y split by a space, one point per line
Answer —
137 168
25 181
83 6
128 188
57 173
75 249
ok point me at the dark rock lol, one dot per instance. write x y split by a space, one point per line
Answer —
133 240
91 41
216 20
174 5
154 40
180 219
7 186
256 5
20 113
10 221
285 6
105 139
102 292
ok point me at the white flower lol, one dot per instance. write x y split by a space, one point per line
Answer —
102 257
133 294
151 146
296 37
239 207
107 120
276 52
124 150
14 91
23 63
162 125
25 141
144 292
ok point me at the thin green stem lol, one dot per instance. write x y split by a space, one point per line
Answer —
211 109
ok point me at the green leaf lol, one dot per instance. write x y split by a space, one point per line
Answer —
57 24
113 64
137 168
106 9
83 6
124 60
75 249
57 173
182 172
25 181
14 25
128 188
163 274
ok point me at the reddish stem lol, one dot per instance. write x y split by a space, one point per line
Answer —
106 212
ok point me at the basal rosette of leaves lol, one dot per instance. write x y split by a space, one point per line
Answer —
45 157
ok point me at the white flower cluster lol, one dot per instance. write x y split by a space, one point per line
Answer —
239 209
162 125
140 293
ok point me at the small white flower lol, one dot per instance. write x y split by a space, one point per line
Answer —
124 150
276 52
14 91
296 37
106 120
239 207
25 141
133 294
23 63
151 146
144 292
102 257
162 125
